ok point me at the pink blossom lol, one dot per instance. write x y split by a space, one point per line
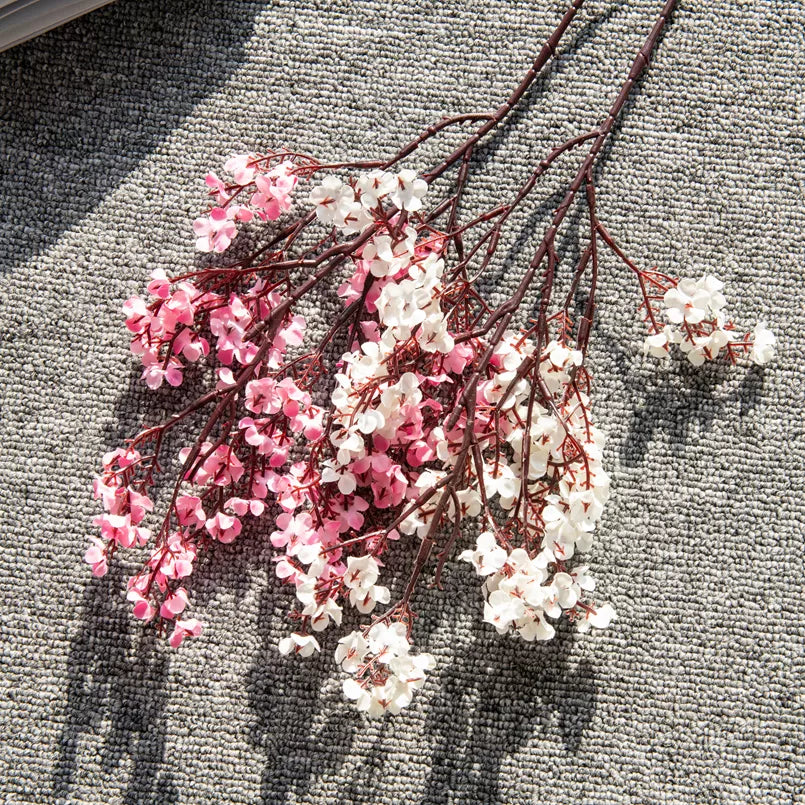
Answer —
122 500
118 528
218 187
309 422
174 604
352 289
156 370
160 284
274 190
293 530
176 560
292 334
292 397
189 511
242 167
224 527
138 316
241 506
96 556
185 628
222 467
124 457
226 379
191 345
457 360
286 571
351 512
291 490
143 609
371 332
214 232
229 324
262 396
178 308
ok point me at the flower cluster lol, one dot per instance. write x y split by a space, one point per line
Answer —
431 422
352 207
695 310
519 595
261 188
227 479
179 323
383 672
439 417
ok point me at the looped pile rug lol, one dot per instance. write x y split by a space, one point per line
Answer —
695 693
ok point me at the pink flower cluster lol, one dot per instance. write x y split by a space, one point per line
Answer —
125 509
226 479
174 328
262 187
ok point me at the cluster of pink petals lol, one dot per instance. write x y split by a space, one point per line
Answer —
173 329
125 509
182 323
262 187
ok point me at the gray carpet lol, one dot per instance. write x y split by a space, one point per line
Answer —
695 694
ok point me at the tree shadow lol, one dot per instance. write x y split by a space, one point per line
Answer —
101 112
678 403
286 699
488 708
118 669
116 684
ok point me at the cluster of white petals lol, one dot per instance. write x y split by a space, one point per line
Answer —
361 577
521 593
383 672
349 207
695 310
763 341
303 645
522 590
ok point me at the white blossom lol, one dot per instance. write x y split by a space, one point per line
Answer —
693 301
409 191
488 556
364 599
600 619
374 186
351 651
763 342
303 645
403 672
333 200
362 571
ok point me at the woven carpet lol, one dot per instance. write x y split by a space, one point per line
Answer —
695 694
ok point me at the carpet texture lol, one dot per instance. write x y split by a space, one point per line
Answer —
695 694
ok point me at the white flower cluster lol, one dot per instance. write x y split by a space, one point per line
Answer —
520 591
698 324
520 595
383 672
408 307
361 577
349 208
581 485
302 644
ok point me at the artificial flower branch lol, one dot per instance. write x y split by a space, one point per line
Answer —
439 412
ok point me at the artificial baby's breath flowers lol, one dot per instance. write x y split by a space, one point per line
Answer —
421 415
